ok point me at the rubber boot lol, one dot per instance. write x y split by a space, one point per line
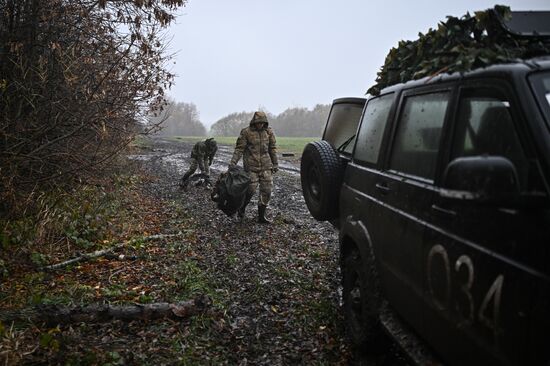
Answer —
185 180
184 183
261 215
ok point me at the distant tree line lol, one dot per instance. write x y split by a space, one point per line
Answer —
295 122
179 118
232 124
76 79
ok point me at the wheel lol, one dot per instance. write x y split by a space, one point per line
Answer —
362 301
321 173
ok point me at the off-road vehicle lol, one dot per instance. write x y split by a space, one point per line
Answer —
440 189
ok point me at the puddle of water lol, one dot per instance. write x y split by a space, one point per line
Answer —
177 159
139 157
291 168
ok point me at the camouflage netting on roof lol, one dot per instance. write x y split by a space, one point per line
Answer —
458 45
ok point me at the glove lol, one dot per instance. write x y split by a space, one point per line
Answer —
275 169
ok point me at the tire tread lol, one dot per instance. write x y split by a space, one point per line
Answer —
331 168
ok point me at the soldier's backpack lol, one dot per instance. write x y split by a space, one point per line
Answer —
230 190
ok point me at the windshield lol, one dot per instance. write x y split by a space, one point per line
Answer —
342 125
541 84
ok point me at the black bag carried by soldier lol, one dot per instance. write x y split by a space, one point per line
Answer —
230 190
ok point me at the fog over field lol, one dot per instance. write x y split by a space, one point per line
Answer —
245 55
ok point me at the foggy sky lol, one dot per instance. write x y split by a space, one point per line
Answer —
241 55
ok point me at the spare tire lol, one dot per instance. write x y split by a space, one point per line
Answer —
321 173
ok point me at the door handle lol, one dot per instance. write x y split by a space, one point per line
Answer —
442 212
383 187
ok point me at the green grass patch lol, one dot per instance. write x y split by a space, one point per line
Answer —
141 141
294 144
82 215
189 138
284 144
191 281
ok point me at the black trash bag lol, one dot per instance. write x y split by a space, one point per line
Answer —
230 190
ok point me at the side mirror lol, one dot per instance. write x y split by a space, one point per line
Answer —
481 178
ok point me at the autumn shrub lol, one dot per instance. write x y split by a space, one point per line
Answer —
76 79
80 219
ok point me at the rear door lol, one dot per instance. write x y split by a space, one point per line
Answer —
342 123
483 264
393 188
405 189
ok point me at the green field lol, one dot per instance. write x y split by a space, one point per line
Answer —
284 144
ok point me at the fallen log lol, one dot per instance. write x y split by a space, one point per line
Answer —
54 315
104 252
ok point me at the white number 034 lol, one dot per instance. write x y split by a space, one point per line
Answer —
466 311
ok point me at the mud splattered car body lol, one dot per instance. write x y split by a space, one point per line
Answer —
444 219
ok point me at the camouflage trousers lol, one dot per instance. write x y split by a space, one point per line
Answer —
265 179
201 163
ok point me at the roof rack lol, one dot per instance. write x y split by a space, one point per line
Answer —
526 23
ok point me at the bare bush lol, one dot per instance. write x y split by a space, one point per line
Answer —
76 79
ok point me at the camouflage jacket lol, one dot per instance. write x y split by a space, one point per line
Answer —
200 151
258 148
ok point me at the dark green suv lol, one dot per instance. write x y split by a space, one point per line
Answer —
441 196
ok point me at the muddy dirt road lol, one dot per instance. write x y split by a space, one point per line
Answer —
278 285
271 292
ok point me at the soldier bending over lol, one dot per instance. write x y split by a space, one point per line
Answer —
202 156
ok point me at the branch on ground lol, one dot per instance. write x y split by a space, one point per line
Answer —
105 252
54 314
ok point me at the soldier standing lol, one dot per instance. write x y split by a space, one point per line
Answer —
202 156
258 147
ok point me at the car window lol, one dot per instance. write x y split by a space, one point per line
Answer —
372 128
418 134
541 85
546 86
342 125
484 126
